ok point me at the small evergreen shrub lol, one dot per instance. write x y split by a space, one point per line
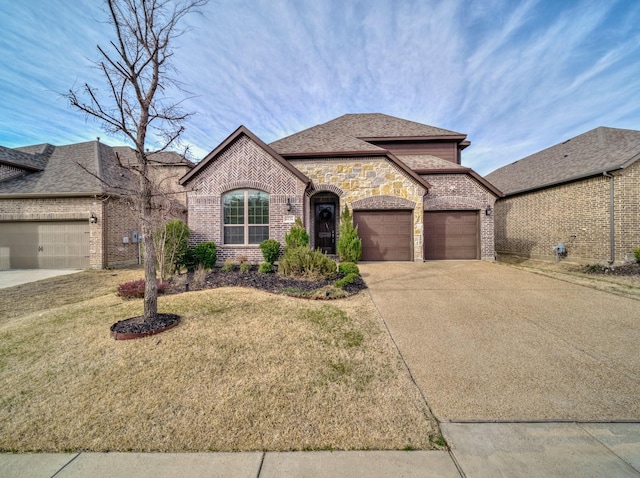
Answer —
346 268
636 252
297 236
265 268
245 267
346 280
303 262
349 244
205 253
270 250
228 266
135 289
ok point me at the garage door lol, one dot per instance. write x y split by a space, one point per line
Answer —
385 235
44 245
451 235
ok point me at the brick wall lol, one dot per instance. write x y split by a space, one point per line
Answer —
462 192
242 165
575 213
368 183
119 223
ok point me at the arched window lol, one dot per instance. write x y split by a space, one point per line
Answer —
246 216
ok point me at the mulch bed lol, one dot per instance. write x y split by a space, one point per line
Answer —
137 327
631 269
271 282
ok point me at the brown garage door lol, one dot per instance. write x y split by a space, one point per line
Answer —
44 245
385 235
451 235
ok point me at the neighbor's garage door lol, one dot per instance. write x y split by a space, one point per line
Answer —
451 235
44 245
385 235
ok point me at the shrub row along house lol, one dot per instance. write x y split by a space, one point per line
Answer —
583 194
411 198
61 207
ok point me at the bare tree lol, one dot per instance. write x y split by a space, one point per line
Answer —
137 68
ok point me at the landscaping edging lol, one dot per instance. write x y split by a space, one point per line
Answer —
137 327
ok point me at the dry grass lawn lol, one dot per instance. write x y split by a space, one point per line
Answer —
245 370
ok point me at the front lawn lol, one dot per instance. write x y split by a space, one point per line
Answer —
244 370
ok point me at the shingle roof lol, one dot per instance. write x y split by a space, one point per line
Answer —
344 134
594 152
83 168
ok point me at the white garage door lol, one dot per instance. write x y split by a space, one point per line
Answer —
44 245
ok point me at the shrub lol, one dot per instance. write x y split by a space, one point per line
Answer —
346 280
241 259
199 277
270 250
636 252
205 253
265 268
303 262
349 244
297 236
245 267
171 242
346 268
228 266
135 289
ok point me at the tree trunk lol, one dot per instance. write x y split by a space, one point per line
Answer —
151 284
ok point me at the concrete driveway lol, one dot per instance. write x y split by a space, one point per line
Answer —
10 278
485 342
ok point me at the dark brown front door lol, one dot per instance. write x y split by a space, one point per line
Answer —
325 225
451 235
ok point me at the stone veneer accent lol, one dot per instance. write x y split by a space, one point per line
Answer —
244 164
463 192
577 214
368 183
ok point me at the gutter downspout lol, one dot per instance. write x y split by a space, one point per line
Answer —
612 241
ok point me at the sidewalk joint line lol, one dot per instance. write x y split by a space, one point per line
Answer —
66 464
264 453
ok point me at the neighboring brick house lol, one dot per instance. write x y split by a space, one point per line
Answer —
584 193
61 207
410 196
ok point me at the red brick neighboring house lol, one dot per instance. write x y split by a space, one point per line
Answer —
60 206
583 193
411 197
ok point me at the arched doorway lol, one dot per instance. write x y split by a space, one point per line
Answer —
325 207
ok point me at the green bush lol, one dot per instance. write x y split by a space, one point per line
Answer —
303 262
229 265
270 250
171 242
349 244
297 236
245 267
205 254
346 268
265 267
346 280
636 252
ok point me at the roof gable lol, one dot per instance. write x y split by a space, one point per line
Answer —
231 139
600 150
351 133
22 160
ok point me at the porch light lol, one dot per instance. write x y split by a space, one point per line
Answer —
488 211
93 218
288 204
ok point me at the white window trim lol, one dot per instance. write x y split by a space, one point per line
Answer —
246 224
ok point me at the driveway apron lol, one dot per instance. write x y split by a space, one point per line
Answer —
485 341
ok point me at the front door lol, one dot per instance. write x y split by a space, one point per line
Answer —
325 225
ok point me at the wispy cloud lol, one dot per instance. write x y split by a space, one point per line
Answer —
515 76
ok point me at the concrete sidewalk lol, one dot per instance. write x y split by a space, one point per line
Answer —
13 277
477 450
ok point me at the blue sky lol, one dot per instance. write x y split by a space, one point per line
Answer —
515 76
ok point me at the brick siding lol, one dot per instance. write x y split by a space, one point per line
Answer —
575 213
450 192
243 165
